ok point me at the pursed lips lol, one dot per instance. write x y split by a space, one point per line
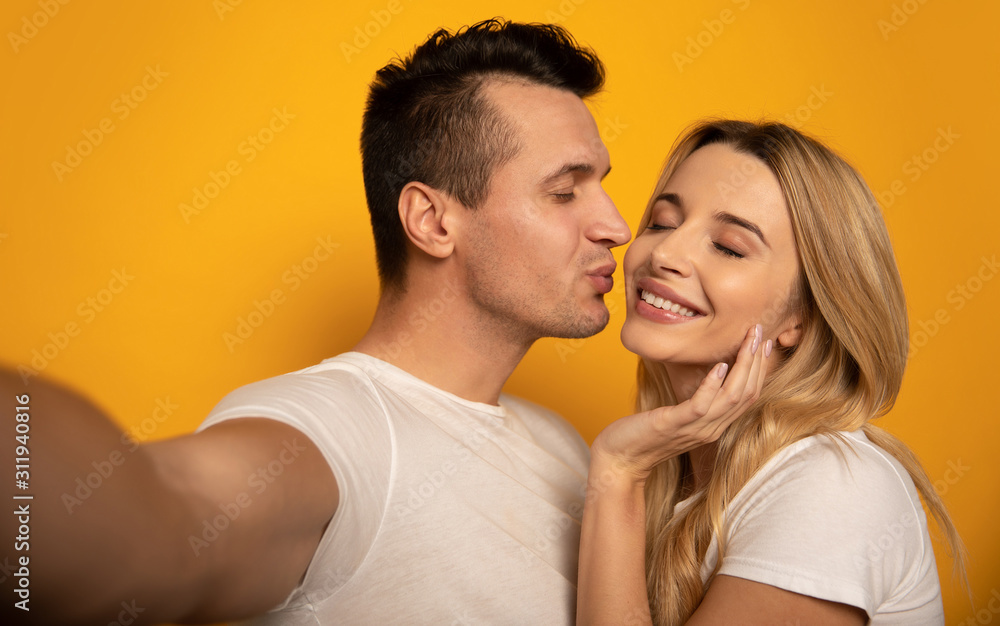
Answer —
601 277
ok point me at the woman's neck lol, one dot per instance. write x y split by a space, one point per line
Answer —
684 379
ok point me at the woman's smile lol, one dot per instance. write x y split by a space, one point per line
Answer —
710 260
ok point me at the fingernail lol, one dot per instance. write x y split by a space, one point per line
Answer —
723 368
767 348
753 347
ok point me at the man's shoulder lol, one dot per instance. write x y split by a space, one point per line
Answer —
532 413
517 403
336 386
336 374
546 426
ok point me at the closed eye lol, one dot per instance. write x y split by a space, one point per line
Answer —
728 252
564 197
659 227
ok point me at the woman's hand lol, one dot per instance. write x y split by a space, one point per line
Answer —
637 443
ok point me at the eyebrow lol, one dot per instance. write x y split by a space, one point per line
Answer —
571 168
729 218
721 216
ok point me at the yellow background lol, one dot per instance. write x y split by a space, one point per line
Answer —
881 80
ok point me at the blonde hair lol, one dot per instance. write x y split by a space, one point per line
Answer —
845 370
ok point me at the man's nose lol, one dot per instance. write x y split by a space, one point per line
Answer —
608 226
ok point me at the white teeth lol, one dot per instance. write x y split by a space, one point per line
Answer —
666 305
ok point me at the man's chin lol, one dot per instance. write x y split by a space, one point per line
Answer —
580 326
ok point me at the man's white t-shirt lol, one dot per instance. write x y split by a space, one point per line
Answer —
451 511
837 521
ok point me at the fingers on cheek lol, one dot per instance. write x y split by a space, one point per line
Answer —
721 369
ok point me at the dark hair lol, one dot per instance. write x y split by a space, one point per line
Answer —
427 119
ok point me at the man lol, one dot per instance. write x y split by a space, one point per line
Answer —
396 482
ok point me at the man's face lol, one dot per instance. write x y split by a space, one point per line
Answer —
538 253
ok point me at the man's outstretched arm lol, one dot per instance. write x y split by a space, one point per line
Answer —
206 527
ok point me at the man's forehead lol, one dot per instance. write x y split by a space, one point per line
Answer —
529 102
555 128
570 169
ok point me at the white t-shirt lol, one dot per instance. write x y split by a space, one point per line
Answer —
838 522
451 511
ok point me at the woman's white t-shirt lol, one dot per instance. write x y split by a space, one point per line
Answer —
836 520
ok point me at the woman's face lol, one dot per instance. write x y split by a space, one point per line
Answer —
717 256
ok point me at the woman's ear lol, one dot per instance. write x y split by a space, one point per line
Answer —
791 333
426 217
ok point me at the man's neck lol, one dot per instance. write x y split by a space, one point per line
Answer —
435 335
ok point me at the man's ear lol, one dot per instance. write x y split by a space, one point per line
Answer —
426 216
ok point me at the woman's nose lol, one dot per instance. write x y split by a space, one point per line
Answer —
674 252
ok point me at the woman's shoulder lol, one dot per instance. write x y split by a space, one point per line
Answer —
838 484
844 462
835 517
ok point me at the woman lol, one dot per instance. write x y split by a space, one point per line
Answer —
765 495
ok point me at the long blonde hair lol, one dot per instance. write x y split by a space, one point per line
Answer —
845 370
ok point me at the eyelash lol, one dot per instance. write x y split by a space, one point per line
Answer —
721 248
564 197
726 251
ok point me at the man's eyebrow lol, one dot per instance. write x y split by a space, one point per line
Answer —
729 218
572 168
